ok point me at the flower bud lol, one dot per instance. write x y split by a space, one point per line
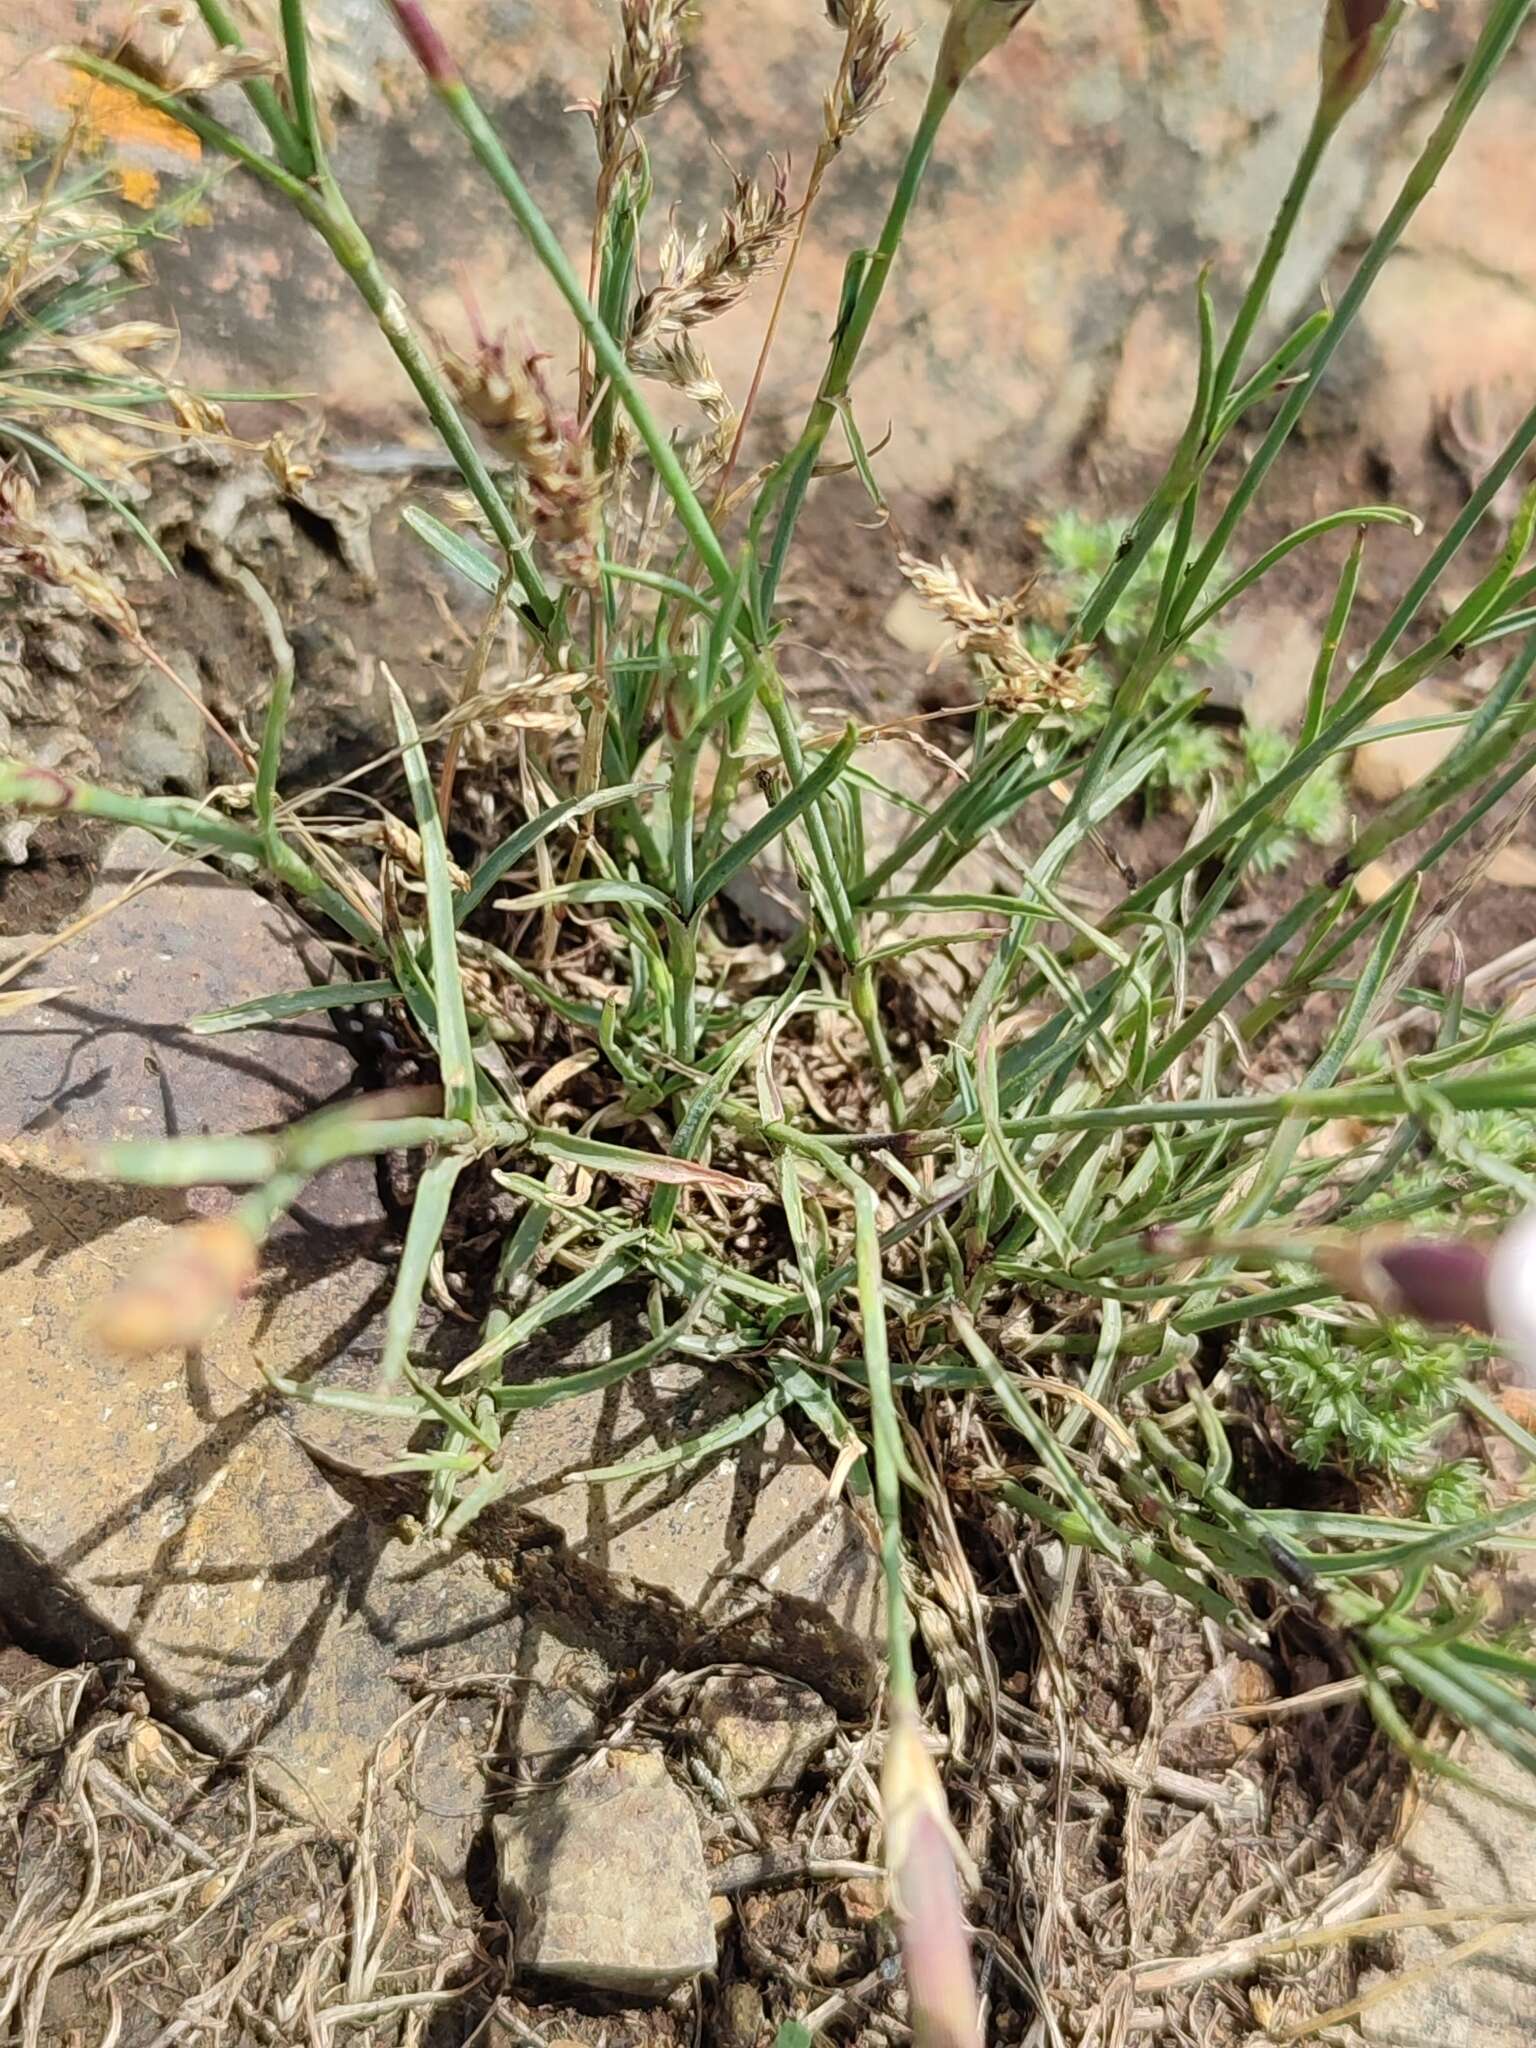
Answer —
1355 38
973 31
181 1292
425 42
922 1855
1439 1281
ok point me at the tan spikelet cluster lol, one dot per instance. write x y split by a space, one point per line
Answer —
869 50
536 703
644 72
676 360
986 630
506 393
29 548
701 280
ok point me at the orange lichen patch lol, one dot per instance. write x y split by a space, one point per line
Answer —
118 116
139 185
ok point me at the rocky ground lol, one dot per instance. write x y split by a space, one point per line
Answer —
604 1772
272 1768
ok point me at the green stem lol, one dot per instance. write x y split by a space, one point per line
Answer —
609 356
301 82
333 220
290 145
795 475
1255 299
170 818
1499 32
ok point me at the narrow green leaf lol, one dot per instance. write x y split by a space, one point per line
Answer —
519 844
424 1233
467 557
775 822
299 1002
455 1055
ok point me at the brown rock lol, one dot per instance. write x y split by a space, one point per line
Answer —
827 1961
1513 867
1153 382
759 1732
603 1880
113 1058
1455 309
741 2017
1272 651
1374 880
913 626
1476 1852
863 1899
1383 769
161 1507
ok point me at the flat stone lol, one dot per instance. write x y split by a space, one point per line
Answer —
1464 275
759 1732
913 626
112 1057
743 1559
603 1880
1383 769
741 2018
1513 867
1268 653
163 1508
1473 1852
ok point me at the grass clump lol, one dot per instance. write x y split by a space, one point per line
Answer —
808 1159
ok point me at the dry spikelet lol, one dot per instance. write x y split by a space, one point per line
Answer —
871 48
181 1292
704 280
532 704
27 548
226 67
676 360
986 630
506 394
195 414
643 73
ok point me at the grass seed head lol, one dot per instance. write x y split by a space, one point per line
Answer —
644 72
506 393
704 280
986 631
872 46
